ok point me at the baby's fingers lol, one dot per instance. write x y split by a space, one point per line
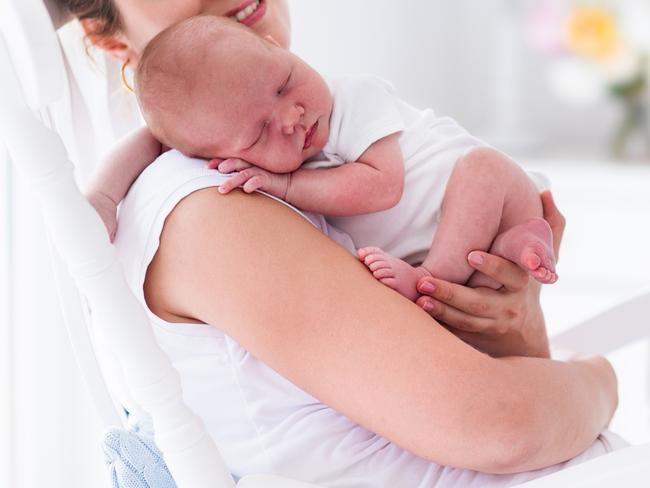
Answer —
226 187
232 164
255 183
214 163
231 183
554 218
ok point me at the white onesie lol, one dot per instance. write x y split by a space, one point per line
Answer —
367 109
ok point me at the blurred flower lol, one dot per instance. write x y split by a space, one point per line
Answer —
572 34
592 32
545 26
598 48
623 66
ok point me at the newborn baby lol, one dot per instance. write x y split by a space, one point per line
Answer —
415 191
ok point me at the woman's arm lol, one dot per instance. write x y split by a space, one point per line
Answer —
311 311
124 163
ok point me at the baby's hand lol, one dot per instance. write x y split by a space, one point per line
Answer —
107 210
228 165
251 178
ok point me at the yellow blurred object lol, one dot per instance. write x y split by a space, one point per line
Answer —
592 33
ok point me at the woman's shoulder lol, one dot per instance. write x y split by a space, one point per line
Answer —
171 170
181 188
151 198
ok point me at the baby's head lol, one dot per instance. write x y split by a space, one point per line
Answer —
211 88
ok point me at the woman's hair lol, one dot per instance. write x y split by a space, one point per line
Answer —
104 12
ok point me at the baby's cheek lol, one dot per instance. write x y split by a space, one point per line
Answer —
287 162
278 158
295 163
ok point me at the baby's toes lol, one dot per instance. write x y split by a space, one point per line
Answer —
551 277
384 273
365 251
544 275
378 264
389 282
532 261
373 258
549 263
539 273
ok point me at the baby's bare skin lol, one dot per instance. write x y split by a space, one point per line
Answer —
268 111
530 245
490 203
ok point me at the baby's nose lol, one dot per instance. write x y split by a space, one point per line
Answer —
292 117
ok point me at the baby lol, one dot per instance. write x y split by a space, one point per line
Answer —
416 186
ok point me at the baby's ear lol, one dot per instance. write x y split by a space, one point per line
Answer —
272 40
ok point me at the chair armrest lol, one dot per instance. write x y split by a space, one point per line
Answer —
611 329
269 481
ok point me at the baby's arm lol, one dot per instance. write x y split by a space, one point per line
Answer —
121 167
372 183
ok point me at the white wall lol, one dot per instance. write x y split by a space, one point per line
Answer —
449 55
412 43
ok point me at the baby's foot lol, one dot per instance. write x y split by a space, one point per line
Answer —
530 245
393 272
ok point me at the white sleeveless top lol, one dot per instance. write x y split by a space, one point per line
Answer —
261 422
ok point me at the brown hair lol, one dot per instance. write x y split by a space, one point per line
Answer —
104 12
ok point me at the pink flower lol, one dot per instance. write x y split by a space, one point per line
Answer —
545 26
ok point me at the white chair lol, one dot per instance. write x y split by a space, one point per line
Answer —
36 91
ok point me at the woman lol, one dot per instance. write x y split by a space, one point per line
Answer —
378 394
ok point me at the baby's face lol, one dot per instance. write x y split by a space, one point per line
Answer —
259 103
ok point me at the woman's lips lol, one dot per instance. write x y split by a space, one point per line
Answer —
309 135
253 17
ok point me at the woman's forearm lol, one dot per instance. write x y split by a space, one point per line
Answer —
364 350
560 410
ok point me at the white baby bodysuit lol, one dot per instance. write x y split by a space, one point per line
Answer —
367 109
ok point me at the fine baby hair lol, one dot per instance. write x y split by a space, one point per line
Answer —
172 73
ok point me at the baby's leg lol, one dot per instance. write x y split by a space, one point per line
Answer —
487 195
491 204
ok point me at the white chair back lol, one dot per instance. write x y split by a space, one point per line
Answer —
32 90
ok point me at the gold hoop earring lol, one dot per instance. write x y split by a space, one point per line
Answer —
124 80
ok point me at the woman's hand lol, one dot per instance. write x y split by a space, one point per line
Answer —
251 178
503 322
555 219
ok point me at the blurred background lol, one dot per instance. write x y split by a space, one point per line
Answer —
561 85
538 78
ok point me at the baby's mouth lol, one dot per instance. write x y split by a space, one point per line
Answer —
309 135
245 13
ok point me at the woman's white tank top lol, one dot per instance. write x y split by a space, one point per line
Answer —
261 422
